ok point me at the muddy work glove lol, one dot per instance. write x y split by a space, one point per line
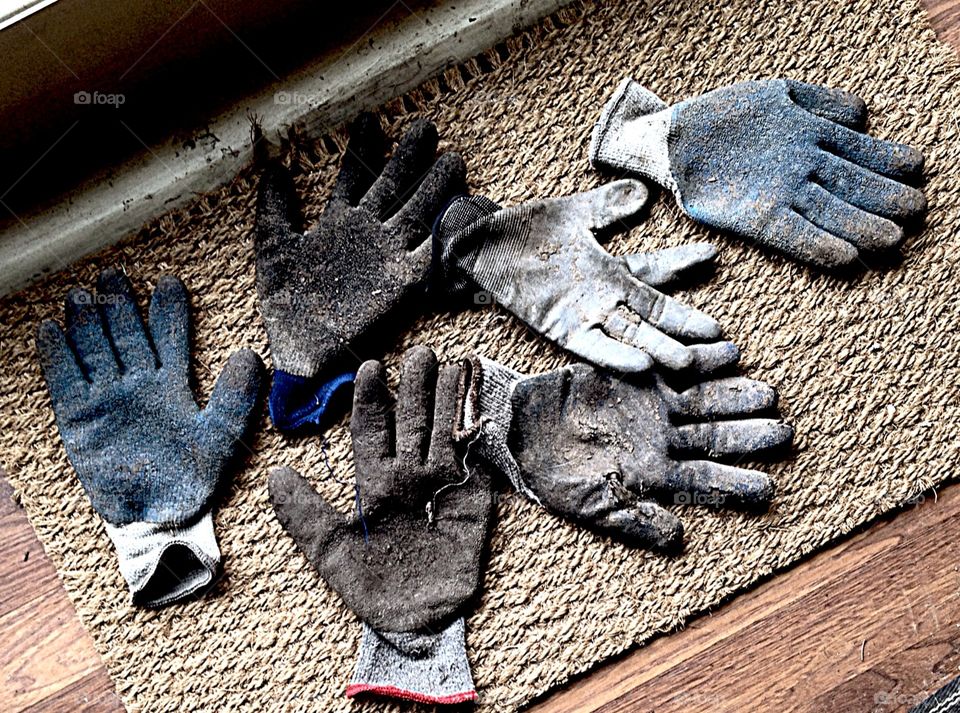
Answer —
408 562
780 162
542 262
322 291
599 450
150 460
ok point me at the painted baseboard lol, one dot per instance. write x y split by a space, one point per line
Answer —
391 60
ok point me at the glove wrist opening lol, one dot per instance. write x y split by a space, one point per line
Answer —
165 563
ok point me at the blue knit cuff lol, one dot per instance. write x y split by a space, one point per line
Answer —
298 401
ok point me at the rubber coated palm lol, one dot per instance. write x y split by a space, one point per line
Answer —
818 190
781 162
541 261
413 558
596 448
142 448
322 290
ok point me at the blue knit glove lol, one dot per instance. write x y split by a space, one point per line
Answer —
149 459
780 162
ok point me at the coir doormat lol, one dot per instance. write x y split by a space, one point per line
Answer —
866 368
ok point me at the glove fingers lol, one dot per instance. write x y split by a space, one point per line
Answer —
371 425
708 358
665 266
420 260
867 190
733 437
123 320
668 315
641 335
85 331
362 161
415 403
835 105
406 168
170 325
230 407
415 219
442 447
61 371
277 215
884 157
603 350
720 484
735 396
864 230
304 513
604 207
799 238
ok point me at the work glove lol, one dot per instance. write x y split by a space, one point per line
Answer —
542 262
409 560
148 457
599 450
780 162
322 291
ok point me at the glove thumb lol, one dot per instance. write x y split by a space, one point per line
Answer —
230 408
602 208
663 267
304 513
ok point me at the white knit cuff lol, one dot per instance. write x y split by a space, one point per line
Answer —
165 563
421 667
632 134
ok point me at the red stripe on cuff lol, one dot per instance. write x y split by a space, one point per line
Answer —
393 692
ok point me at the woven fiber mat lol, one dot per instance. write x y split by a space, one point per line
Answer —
867 368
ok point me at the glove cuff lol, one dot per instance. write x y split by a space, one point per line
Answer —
458 251
426 668
492 418
632 134
165 563
298 401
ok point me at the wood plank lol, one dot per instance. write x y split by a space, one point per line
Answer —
945 19
795 642
48 660
93 692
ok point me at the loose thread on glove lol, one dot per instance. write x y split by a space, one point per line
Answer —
356 488
431 506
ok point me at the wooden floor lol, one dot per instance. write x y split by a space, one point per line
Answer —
871 624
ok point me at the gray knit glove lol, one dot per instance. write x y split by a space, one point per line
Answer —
598 450
542 262
780 162
409 560
149 459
